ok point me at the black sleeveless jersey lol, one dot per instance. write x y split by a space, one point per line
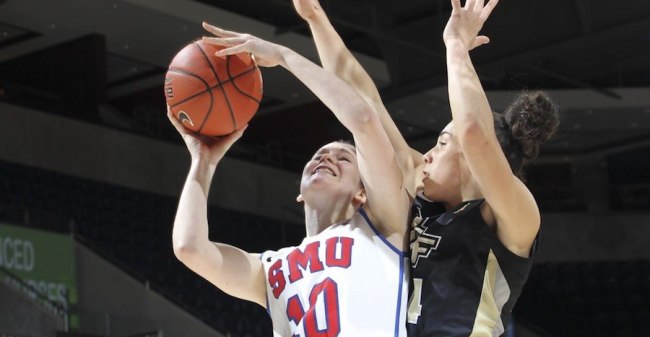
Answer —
464 281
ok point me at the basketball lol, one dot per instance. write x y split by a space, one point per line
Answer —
212 95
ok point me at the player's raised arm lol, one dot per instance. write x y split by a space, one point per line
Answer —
337 58
230 269
378 165
515 210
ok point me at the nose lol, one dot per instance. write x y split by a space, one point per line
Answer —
427 157
326 157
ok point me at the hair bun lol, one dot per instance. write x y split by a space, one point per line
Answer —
533 119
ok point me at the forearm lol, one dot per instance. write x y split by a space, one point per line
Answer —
191 222
349 107
337 58
469 104
232 270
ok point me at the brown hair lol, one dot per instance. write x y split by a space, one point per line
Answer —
530 120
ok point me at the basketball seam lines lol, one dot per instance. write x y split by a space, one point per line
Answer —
233 78
225 96
234 84
209 88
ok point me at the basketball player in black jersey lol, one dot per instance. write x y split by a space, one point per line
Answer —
469 264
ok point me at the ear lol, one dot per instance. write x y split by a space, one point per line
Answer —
299 198
359 198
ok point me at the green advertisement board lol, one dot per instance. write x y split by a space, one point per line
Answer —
40 259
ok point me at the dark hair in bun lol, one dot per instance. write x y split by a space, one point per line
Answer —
530 120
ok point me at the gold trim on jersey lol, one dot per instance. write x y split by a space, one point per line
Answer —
494 295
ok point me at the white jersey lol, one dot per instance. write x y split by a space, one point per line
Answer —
345 281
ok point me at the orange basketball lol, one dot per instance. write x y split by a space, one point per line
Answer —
212 95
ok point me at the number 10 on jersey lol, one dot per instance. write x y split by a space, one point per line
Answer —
314 327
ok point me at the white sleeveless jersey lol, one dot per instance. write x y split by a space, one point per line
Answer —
345 281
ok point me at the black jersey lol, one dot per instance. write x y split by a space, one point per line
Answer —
464 281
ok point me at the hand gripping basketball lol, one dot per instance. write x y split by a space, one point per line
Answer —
212 95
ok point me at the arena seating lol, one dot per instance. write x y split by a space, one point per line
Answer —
132 229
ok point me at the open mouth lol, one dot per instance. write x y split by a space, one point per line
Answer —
324 169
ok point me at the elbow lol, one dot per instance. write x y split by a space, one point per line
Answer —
471 133
185 250
365 116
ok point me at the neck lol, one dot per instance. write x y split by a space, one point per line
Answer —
470 191
469 187
318 219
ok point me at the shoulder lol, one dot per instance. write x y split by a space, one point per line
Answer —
396 240
518 231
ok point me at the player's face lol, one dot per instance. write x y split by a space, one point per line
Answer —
443 167
333 165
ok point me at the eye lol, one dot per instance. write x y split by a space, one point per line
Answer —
316 158
346 159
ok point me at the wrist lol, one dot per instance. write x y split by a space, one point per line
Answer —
202 167
317 19
202 162
285 53
456 45
456 50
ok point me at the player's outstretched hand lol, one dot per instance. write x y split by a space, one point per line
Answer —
466 22
205 147
266 54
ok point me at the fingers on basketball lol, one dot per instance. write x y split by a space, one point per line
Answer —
213 96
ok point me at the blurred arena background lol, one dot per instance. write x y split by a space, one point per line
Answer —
90 169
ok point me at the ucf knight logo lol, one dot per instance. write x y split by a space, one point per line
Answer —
422 243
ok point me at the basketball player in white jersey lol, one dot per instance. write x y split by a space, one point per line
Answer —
348 276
